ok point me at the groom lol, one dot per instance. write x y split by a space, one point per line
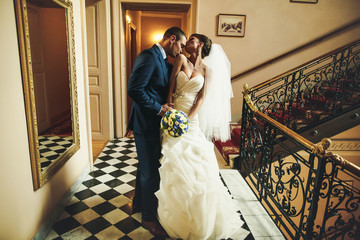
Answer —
148 87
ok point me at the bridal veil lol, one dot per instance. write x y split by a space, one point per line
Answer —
215 114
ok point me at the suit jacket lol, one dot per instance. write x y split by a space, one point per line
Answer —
148 87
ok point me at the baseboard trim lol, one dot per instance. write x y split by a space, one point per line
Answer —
47 226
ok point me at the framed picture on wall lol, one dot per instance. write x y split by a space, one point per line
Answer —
304 1
231 25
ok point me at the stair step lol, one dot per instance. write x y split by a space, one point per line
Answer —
231 146
235 133
227 148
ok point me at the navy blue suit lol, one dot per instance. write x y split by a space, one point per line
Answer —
148 87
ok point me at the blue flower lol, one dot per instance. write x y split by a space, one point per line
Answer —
175 123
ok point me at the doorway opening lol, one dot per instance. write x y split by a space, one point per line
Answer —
144 25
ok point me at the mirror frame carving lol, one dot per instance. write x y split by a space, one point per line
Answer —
40 178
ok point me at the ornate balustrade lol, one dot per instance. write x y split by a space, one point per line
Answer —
314 92
310 192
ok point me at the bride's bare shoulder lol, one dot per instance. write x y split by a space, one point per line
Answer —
181 57
180 60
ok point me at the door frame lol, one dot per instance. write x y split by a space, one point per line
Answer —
103 70
120 59
130 55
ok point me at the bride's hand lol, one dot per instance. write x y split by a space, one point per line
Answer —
190 117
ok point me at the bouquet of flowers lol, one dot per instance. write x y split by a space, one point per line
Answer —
175 123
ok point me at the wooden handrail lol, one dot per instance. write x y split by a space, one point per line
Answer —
312 42
300 139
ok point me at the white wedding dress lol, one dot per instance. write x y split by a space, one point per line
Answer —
193 202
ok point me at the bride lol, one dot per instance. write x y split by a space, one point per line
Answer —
193 202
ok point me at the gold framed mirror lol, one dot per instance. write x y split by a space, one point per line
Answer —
47 53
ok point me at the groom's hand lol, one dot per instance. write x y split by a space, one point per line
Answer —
164 108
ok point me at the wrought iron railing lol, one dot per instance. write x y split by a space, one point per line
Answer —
314 92
310 193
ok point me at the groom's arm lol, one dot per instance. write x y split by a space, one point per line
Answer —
140 76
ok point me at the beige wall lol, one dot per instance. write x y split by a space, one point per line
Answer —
347 145
23 211
272 28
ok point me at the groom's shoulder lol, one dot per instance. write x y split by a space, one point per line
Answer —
147 55
151 51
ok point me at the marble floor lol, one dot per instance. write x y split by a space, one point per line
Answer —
257 219
101 207
51 147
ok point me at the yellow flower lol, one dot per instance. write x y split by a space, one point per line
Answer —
171 123
182 126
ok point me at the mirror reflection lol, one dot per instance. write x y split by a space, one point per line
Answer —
46 40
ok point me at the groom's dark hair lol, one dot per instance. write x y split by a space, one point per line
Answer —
174 31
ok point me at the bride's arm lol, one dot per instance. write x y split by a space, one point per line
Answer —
179 62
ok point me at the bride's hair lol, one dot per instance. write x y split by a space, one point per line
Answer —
207 44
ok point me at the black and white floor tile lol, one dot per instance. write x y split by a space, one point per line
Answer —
51 147
102 206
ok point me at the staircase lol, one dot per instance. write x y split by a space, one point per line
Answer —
318 99
310 192
230 149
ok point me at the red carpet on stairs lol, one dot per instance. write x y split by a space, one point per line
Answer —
236 133
231 146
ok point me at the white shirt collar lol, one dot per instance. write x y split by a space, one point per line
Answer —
161 50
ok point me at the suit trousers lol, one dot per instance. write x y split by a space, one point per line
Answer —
148 149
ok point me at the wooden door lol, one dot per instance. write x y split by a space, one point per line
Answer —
38 67
99 78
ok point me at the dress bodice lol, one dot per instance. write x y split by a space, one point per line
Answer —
186 91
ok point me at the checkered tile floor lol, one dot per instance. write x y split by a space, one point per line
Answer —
51 147
102 206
